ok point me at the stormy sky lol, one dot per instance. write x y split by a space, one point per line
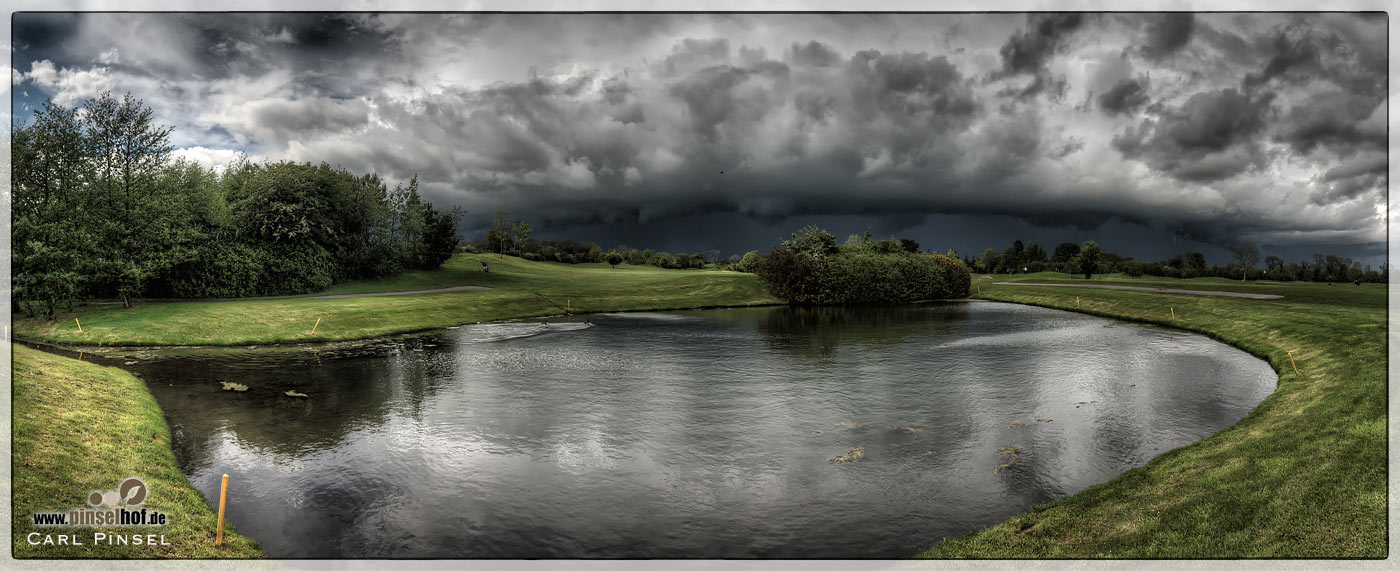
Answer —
1151 133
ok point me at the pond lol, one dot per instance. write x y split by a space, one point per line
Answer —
746 433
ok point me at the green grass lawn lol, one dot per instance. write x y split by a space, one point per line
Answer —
520 289
1302 475
80 427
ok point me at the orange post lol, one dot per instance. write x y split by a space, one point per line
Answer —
1295 365
1076 301
313 327
1173 312
80 324
223 494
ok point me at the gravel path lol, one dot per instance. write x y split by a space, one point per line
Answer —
337 296
1156 289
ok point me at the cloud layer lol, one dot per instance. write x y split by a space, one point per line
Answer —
1216 127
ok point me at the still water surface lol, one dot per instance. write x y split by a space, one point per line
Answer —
689 434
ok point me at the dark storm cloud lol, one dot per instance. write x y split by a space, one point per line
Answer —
1295 54
1167 33
1210 137
1126 96
814 54
1028 50
1262 127
1330 119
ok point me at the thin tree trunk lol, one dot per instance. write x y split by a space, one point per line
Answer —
126 301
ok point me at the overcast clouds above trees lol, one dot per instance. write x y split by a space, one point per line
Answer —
1215 128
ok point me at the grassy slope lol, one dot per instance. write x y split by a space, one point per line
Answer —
80 427
1303 475
522 289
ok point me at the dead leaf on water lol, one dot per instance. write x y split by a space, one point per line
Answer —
855 454
1045 420
1016 424
1007 466
850 424
232 386
295 394
906 429
1009 450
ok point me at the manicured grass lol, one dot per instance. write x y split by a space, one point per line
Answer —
80 427
1302 475
521 289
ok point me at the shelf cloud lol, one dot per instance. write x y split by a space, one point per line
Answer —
1211 128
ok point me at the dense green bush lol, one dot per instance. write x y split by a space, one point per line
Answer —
861 275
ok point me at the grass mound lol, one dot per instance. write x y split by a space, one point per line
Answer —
80 427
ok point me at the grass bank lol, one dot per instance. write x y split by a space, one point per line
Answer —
1302 475
80 427
520 289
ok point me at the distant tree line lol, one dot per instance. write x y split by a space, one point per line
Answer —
100 210
1089 259
810 268
516 238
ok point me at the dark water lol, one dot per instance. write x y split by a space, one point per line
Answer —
690 434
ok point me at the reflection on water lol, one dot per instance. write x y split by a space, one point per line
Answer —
689 434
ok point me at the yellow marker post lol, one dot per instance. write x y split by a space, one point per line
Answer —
1173 312
223 494
1076 301
1295 365
569 306
313 327
80 324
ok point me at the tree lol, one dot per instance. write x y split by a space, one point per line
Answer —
909 245
990 259
715 257
498 237
1248 256
1088 259
812 242
1064 253
128 150
613 258
524 238
749 263
439 236
50 235
1195 261
1034 252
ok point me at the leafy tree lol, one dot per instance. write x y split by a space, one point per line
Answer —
749 263
439 236
50 234
812 242
1033 252
1088 259
910 245
715 257
524 238
135 214
1064 253
614 258
498 237
1247 255
990 260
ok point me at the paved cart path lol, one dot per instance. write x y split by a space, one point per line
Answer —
1156 289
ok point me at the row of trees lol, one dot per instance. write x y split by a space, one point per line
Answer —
810 268
1088 259
101 210
516 238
